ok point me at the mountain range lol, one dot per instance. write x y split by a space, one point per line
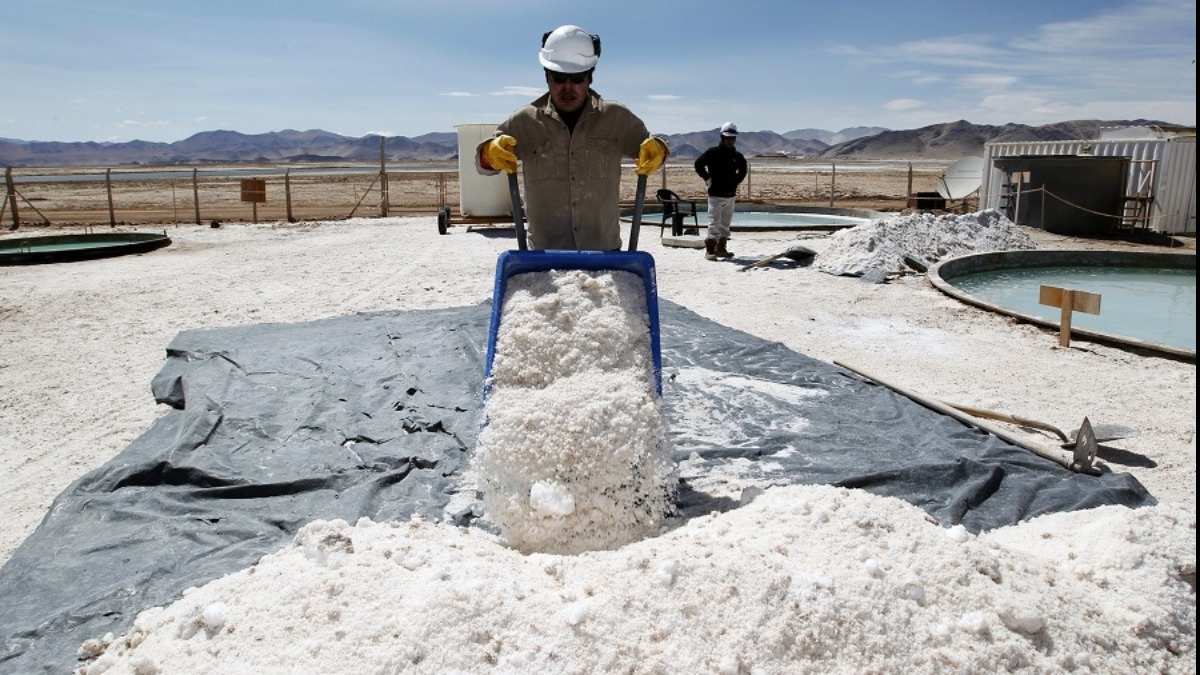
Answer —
947 141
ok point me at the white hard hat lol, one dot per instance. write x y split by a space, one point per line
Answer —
569 49
729 129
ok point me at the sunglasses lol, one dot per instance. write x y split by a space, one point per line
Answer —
575 78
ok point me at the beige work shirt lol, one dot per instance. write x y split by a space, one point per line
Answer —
573 180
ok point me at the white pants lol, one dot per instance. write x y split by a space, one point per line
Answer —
720 215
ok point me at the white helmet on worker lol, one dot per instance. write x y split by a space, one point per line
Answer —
569 49
729 129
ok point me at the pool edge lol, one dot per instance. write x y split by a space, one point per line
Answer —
979 262
130 243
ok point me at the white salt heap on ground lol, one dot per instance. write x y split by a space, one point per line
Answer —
882 244
802 580
574 454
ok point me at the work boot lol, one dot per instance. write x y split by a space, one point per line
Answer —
710 249
723 252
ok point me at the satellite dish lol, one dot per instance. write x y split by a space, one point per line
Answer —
961 179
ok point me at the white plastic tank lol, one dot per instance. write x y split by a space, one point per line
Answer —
479 196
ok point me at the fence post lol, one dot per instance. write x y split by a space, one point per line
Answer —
832 181
112 215
196 194
287 194
12 197
383 177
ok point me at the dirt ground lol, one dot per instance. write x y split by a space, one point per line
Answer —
193 198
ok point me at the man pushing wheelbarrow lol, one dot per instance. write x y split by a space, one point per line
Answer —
573 454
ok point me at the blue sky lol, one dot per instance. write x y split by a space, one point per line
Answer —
162 70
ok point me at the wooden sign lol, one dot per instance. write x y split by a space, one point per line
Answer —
254 190
1070 301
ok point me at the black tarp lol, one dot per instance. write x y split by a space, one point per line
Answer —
375 416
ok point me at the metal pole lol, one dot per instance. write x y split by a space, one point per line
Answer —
638 202
1020 189
514 193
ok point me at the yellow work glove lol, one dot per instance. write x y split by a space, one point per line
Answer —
651 156
499 153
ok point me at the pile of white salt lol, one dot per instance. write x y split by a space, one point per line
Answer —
574 454
883 244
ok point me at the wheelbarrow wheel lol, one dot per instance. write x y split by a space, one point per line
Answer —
443 220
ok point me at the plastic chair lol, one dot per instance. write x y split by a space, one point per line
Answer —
676 210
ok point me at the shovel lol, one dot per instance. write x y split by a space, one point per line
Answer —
1083 455
797 253
1101 433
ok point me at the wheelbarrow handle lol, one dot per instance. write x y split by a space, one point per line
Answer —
639 201
514 193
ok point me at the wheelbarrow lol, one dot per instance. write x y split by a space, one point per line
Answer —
521 261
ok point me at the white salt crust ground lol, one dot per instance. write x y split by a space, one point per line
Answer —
82 342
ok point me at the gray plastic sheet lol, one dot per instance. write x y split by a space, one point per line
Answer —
375 415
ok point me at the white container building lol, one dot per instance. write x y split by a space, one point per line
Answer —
1159 185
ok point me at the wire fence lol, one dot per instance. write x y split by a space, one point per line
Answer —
182 195
178 197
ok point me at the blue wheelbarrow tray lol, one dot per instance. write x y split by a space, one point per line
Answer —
512 263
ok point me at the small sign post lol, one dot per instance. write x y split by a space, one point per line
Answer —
254 190
1069 301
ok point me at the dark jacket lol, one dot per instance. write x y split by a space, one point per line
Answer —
724 167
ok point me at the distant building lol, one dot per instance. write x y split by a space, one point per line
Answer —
1130 178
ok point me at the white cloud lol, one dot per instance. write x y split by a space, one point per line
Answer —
957 53
921 77
527 92
1015 106
1139 23
903 104
985 81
